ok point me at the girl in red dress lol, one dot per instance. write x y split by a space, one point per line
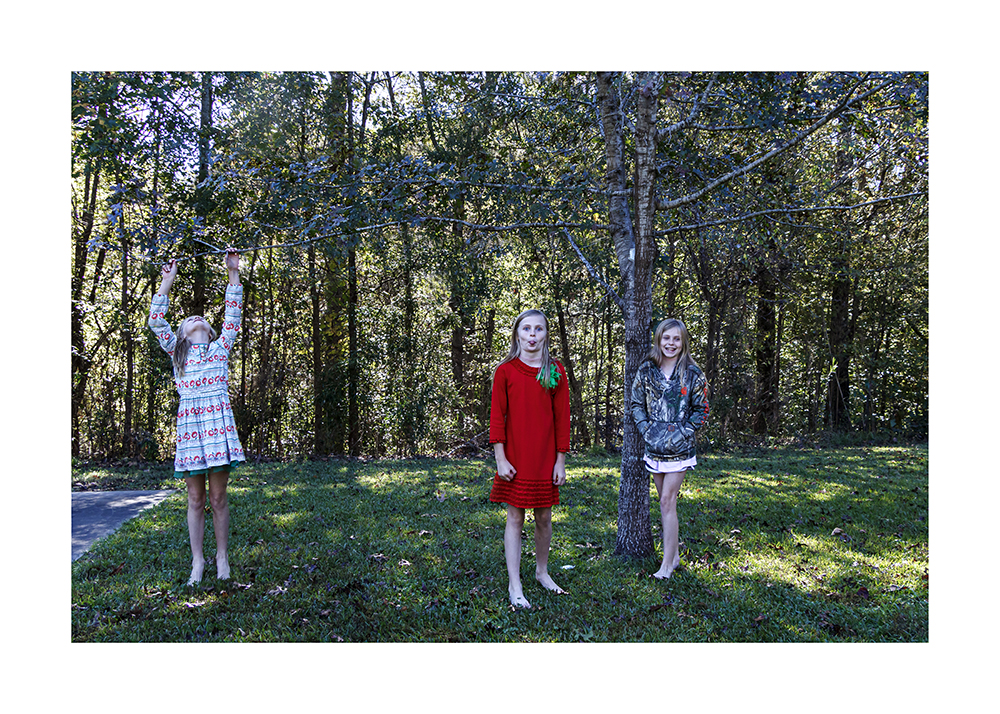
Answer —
529 430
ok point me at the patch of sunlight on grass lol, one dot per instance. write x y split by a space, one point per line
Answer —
290 520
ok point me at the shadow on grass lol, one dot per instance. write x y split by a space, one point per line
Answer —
789 546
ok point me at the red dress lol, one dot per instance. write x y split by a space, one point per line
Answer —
533 424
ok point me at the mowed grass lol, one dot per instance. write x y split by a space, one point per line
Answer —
778 546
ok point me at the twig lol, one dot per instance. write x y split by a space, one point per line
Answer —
593 273
470 442
772 211
794 141
695 108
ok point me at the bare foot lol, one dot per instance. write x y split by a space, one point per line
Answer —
664 572
197 569
222 566
517 598
545 580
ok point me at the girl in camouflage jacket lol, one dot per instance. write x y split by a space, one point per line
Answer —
669 404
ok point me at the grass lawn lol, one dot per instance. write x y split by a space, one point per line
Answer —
786 545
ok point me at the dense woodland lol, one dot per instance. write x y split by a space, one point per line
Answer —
394 223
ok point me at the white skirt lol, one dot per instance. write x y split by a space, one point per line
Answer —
669 467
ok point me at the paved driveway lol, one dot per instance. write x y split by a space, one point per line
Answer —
98 513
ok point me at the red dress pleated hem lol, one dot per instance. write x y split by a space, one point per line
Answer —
530 494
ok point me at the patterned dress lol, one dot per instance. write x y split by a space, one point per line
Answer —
206 431
533 424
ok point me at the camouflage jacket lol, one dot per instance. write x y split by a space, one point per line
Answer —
668 412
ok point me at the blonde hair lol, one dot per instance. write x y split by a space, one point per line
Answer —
684 359
515 346
183 344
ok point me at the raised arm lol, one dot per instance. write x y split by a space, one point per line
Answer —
233 266
158 310
234 302
169 273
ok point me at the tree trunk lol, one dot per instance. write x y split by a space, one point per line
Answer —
765 420
353 363
609 379
321 444
635 536
839 387
353 373
81 361
576 398
126 332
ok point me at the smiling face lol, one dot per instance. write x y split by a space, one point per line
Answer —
671 343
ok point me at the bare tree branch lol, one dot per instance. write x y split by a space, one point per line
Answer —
561 225
593 273
668 130
780 211
798 138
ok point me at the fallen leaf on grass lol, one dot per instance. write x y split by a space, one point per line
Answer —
841 534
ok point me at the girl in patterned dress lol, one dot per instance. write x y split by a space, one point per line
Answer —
529 430
669 404
207 442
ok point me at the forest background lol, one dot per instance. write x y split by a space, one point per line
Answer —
395 223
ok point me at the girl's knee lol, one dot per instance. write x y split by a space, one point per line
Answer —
219 500
196 499
515 517
543 517
669 500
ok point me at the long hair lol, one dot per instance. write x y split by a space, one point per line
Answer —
684 359
515 346
184 344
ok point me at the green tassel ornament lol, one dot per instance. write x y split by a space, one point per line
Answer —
552 380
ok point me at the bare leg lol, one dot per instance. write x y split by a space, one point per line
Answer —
196 525
217 483
512 553
543 539
667 488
